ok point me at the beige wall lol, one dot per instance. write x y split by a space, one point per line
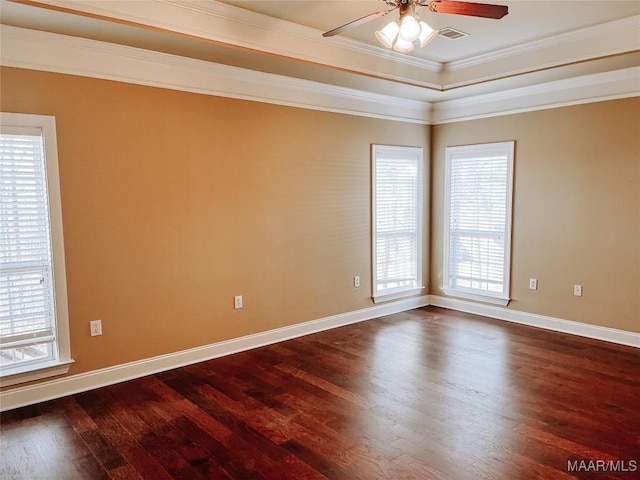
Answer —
175 202
576 217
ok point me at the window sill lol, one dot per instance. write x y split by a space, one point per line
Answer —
395 296
34 372
479 298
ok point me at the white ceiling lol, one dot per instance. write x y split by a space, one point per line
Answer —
538 42
527 21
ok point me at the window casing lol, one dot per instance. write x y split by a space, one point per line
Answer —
34 323
397 191
477 221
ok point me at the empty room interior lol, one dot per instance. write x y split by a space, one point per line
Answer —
317 239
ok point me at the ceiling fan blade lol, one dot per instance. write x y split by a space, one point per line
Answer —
484 10
355 23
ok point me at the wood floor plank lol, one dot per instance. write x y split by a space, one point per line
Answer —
424 394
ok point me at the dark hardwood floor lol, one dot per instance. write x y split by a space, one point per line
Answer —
425 394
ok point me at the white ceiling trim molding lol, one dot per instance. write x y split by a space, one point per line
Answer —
227 24
611 38
36 50
623 83
299 32
596 41
388 55
218 22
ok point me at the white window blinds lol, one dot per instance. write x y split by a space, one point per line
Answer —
27 321
478 219
397 220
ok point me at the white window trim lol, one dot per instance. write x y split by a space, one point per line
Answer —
61 364
400 152
467 293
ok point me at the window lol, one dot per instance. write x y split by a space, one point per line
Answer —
477 222
397 221
34 333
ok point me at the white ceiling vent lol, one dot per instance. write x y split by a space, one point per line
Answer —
452 33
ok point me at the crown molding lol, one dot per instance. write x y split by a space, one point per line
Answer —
35 50
623 83
621 36
299 32
598 41
226 24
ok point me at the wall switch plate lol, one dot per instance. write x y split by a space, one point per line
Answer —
356 281
533 283
237 302
95 327
577 290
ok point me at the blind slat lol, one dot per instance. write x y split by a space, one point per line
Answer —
397 209
478 186
26 282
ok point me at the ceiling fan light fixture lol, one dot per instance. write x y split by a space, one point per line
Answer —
388 34
409 28
427 34
403 46
401 34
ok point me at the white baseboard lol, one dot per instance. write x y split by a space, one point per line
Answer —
60 387
532 319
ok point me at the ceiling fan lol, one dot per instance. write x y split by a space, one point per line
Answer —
400 34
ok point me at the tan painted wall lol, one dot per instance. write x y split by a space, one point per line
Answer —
175 202
576 217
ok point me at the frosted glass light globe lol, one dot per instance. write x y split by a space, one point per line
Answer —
403 46
426 34
409 29
388 34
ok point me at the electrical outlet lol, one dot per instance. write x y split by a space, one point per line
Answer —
356 281
533 284
577 290
95 327
237 302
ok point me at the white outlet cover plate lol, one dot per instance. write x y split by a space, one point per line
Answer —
96 327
